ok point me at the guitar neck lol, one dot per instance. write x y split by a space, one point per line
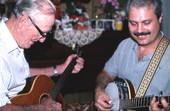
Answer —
60 83
140 102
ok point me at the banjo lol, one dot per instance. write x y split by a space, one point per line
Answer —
124 98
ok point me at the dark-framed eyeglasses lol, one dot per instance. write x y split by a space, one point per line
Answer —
41 32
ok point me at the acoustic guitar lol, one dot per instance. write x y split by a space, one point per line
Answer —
124 97
43 86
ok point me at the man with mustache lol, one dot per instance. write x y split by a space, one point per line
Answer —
133 55
30 21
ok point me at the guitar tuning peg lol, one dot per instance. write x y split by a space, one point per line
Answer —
74 46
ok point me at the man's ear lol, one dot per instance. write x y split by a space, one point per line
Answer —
23 21
160 18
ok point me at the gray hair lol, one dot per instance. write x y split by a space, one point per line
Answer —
145 3
33 7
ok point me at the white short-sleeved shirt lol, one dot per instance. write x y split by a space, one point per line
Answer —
14 68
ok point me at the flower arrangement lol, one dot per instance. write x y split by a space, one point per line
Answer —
75 9
114 7
119 15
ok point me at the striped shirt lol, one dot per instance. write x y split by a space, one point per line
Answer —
14 68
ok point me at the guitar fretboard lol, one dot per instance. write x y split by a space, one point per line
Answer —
59 85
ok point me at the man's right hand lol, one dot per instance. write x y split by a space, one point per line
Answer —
102 101
51 105
47 104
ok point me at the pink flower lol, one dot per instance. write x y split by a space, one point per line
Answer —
116 4
110 1
103 2
110 6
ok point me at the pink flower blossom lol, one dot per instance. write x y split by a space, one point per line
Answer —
111 6
115 3
103 2
109 1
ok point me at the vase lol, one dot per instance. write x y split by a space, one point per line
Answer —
119 25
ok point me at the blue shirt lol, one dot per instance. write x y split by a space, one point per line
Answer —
124 64
14 68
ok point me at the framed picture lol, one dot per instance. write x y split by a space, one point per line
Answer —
100 24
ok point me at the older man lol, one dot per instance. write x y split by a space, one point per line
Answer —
30 21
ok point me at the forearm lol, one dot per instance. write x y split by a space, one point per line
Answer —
102 81
47 71
100 96
59 68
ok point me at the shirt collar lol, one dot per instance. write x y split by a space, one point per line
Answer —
8 39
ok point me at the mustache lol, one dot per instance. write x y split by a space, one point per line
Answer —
142 33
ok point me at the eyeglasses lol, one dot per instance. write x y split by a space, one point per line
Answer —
41 32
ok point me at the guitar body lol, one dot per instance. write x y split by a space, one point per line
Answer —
36 88
41 86
118 90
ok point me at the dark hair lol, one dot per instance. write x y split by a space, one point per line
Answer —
144 3
33 7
